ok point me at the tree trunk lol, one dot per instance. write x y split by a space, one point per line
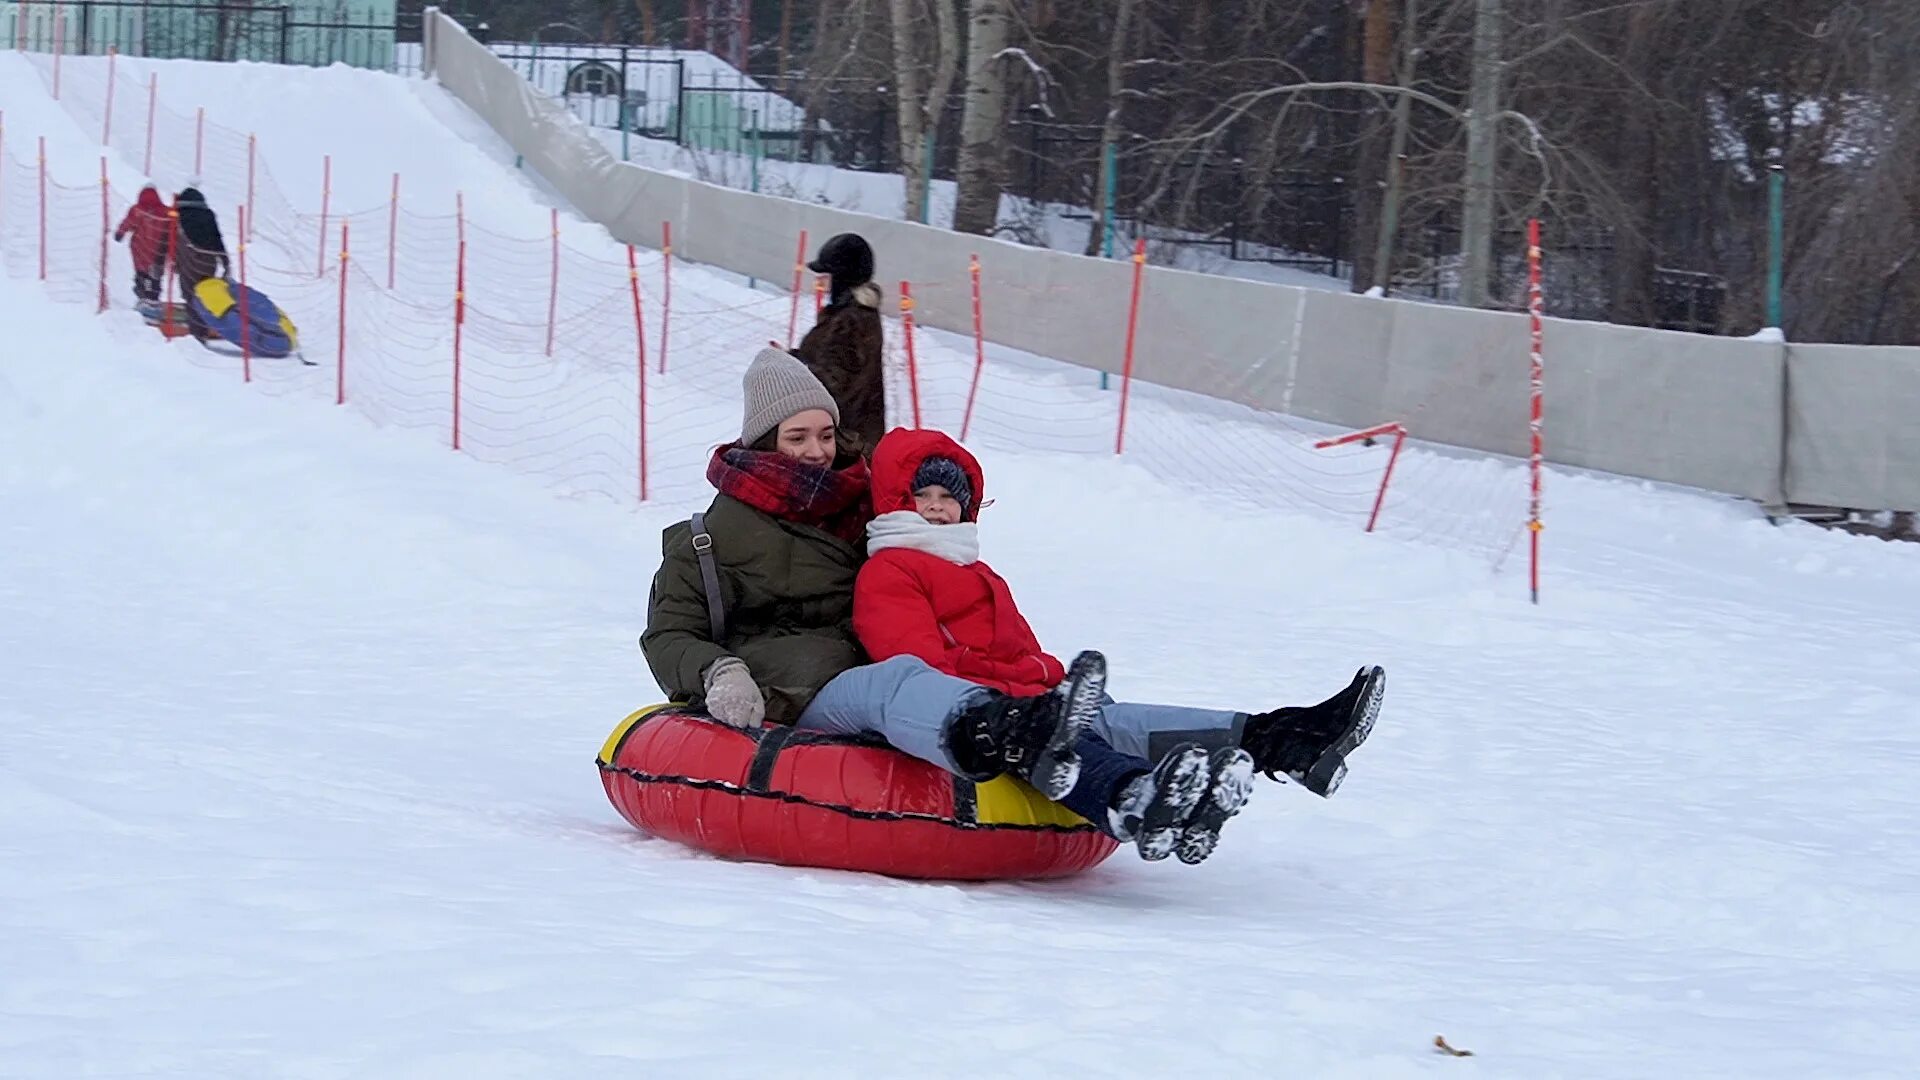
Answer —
1370 177
906 98
919 107
1397 154
1633 255
1110 132
1483 131
649 26
984 123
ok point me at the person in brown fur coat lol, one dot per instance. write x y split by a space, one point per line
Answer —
845 346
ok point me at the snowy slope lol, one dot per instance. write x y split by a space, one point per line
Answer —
299 710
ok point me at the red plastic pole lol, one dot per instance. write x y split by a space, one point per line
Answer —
640 363
799 265
1399 433
106 124
246 325
244 234
153 101
460 216
459 318
913 368
979 346
666 287
819 294
106 227
1536 307
326 197
1393 458
393 228
173 262
340 360
199 136
43 208
553 280
1133 322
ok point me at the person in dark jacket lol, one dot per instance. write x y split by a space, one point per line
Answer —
786 538
845 348
202 254
150 224
1165 777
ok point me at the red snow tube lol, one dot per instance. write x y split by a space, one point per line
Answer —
801 798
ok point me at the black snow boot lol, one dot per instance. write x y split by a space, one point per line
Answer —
1031 738
1229 783
1310 744
1153 807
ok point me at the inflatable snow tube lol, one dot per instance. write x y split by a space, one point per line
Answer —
801 798
269 332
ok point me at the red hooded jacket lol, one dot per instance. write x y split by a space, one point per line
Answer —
150 225
959 619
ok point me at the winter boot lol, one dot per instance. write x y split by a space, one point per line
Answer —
1229 783
1310 744
1031 738
1153 807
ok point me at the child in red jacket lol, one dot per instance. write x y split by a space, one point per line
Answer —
1165 777
149 223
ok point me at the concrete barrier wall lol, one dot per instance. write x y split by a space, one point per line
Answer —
1823 424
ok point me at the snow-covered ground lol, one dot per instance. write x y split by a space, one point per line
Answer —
298 712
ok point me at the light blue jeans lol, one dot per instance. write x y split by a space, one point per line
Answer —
908 703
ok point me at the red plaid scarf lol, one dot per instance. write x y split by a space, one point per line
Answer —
836 501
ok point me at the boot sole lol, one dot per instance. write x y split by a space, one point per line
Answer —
1324 778
1229 785
1056 769
1177 795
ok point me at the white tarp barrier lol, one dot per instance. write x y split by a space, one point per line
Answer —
1688 409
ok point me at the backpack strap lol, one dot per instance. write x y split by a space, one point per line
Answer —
709 578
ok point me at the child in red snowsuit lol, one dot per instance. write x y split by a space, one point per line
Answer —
1166 777
151 227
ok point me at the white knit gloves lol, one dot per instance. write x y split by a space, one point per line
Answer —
732 698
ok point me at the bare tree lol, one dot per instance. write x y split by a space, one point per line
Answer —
983 123
918 104
1483 122
1110 130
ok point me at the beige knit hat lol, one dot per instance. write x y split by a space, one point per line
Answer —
777 385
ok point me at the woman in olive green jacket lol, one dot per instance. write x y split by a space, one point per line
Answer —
764 632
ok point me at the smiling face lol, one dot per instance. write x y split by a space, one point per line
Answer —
937 505
808 436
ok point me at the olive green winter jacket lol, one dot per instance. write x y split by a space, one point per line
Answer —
788 593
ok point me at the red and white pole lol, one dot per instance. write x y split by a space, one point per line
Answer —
913 367
246 324
106 227
43 208
459 320
640 362
979 346
245 233
153 102
666 287
799 266
106 123
1536 308
553 278
393 228
819 294
1133 322
326 200
340 359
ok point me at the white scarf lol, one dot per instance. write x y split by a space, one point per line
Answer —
906 529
